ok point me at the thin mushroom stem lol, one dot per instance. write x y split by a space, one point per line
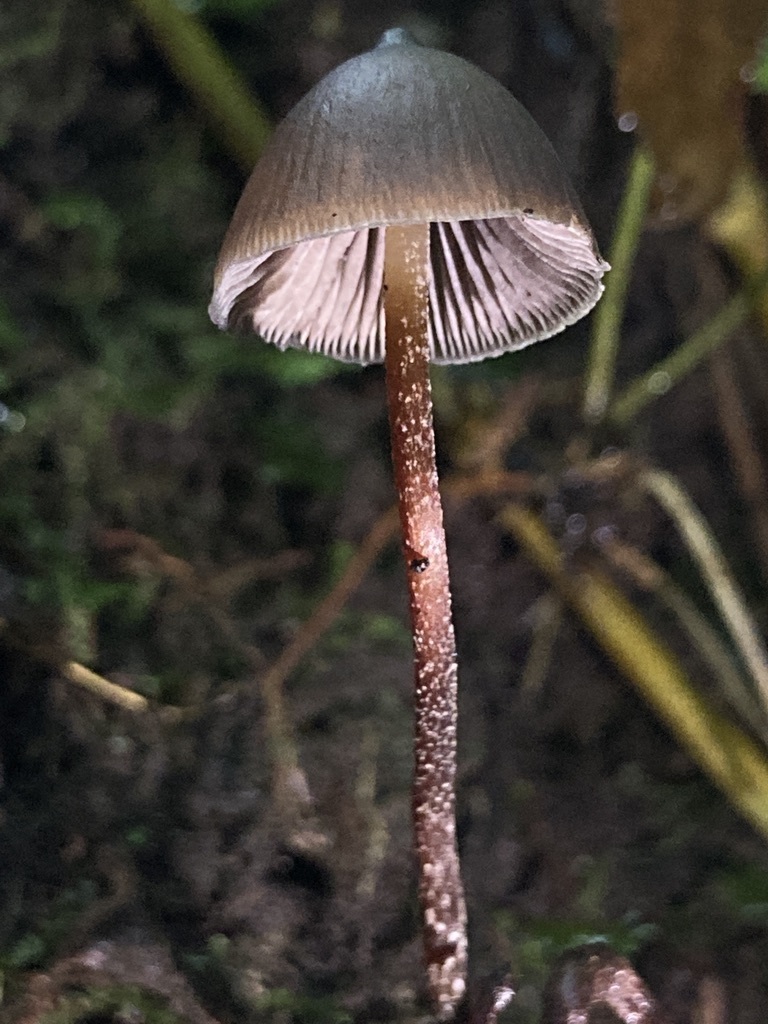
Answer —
409 397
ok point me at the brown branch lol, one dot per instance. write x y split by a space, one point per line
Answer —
142 554
457 488
329 609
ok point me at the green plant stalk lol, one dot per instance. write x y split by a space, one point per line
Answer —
202 68
606 330
670 370
728 755
713 567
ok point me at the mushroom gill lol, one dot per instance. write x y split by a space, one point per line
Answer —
496 285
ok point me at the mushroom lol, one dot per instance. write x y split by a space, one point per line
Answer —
406 210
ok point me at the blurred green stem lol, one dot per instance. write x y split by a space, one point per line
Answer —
666 373
606 331
699 540
202 68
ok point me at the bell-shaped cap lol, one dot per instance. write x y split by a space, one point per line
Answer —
407 134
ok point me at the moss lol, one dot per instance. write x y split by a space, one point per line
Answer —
120 1004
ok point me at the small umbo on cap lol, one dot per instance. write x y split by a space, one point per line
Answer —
406 134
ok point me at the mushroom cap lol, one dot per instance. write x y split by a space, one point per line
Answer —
406 134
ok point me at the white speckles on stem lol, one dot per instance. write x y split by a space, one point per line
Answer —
413 453
458 987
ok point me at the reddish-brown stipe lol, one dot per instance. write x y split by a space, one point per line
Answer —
406 306
595 983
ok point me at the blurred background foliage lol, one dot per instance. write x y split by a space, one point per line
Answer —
204 739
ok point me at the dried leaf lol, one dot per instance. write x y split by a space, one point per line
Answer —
681 71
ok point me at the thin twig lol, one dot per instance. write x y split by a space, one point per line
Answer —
224 583
606 329
290 790
715 571
462 487
119 695
78 674
329 609
383 532
278 728
379 536
141 553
